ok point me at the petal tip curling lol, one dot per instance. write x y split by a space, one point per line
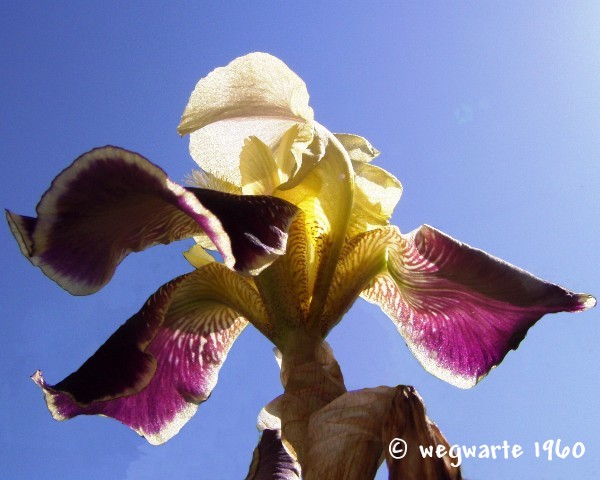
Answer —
22 229
49 396
586 301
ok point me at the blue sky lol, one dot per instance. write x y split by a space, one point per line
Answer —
489 114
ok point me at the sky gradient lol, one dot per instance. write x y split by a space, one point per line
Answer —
487 112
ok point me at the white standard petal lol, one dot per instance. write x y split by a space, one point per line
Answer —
254 95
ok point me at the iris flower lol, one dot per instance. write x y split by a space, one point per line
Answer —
300 218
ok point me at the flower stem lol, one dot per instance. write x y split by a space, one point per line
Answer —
311 378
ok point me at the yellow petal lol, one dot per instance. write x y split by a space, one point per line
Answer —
205 242
381 188
377 191
325 196
310 155
264 168
362 259
258 168
202 179
376 194
216 148
284 285
285 155
197 256
359 149
237 292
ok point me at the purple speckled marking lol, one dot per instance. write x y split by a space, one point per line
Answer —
157 367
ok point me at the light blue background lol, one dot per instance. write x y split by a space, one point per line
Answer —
488 112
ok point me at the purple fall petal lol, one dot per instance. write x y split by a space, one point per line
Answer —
271 461
111 202
258 223
459 309
155 370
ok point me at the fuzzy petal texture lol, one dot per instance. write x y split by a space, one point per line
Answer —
111 202
256 94
164 361
459 309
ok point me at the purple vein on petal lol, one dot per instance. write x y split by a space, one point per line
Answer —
164 361
459 309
